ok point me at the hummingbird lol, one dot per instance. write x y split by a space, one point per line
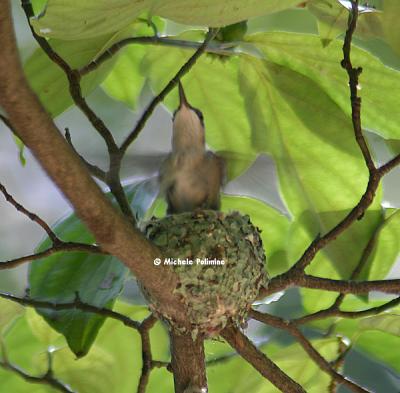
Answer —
191 176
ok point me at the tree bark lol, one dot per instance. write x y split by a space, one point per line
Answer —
38 132
188 363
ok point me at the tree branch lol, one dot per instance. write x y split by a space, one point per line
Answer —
76 304
93 169
112 232
334 312
60 246
74 82
74 79
343 286
188 362
152 40
45 379
386 168
32 216
363 260
147 358
319 360
354 74
171 84
260 361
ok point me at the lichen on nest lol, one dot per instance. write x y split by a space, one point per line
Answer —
220 263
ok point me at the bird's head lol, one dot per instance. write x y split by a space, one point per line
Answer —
188 125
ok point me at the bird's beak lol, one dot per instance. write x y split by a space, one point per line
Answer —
182 97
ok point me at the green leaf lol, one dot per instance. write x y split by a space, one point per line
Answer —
211 86
21 148
232 33
333 18
386 322
52 86
321 171
217 13
97 279
74 20
391 9
20 347
378 344
381 346
115 359
235 375
274 229
9 312
42 331
125 81
77 20
305 55
386 249
394 145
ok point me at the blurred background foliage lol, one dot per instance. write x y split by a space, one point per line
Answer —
276 106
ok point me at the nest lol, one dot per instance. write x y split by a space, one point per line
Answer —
220 264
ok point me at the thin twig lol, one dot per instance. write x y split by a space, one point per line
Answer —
386 168
357 270
344 286
338 363
374 175
354 74
265 366
74 79
171 84
74 82
320 361
57 244
152 40
58 247
76 304
32 216
147 358
93 169
45 379
334 312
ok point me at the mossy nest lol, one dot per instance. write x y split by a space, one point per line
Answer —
220 263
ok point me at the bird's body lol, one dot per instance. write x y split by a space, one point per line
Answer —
191 177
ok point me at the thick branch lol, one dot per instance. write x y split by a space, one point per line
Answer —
267 368
112 232
294 331
188 362
74 82
74 79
